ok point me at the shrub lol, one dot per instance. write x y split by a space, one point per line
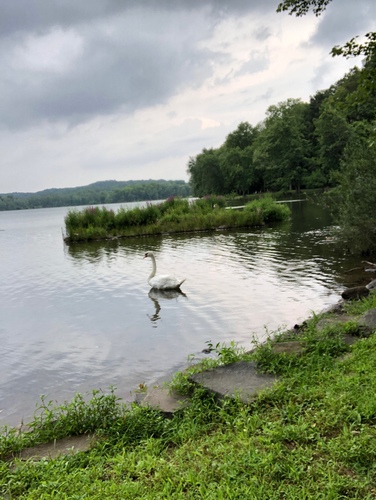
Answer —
269 210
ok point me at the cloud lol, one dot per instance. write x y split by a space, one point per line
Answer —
124 89
344 20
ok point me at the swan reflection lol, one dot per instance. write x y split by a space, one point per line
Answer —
156 296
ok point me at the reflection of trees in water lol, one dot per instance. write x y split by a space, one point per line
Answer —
95 251
299 248
159 295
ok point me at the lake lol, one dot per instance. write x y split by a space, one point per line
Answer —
82 317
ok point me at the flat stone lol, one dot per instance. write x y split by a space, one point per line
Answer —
333 321
289 347
67 446
349 339
368 320
371 285
239 379
163 399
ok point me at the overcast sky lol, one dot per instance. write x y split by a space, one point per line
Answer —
130 89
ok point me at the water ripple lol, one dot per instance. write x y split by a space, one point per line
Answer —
81 317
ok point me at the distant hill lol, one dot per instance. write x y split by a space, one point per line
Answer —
101 192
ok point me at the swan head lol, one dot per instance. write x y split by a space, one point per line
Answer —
148 254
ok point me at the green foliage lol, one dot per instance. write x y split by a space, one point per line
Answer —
79 416
311 435
97 193
302 7
173 215
269 210
307 145
355 197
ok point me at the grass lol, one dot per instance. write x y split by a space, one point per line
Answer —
312 435
175 215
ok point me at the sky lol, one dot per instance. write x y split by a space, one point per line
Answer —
131 89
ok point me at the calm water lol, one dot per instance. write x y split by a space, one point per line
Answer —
81 317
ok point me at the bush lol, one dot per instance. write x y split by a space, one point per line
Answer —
268 209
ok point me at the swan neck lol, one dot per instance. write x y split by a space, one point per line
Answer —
154 267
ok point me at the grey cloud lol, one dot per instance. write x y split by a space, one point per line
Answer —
134 55
262 33
137 64
39 15
257 62
340 23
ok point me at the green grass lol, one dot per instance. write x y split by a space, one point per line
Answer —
312 435
175 215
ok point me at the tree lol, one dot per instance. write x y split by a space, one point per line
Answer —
282 148
205 172
351 48
333 133
242 137
355 197
236 160
357 180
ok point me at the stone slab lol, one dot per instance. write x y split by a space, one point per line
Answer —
333 321
239 379
161 398
289 347
368 320
66 446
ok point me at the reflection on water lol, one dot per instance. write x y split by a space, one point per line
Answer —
158 296
82 317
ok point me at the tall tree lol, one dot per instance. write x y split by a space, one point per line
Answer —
282 147
205 173
333 133
355 197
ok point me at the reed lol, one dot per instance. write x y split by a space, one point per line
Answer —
171 216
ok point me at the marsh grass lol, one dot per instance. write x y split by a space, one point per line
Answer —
312 435
175 215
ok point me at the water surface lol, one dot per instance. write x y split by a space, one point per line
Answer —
75 318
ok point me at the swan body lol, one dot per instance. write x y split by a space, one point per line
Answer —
162 281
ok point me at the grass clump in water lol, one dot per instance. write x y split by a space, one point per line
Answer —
173 215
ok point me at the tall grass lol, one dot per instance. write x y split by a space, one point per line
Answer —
173 215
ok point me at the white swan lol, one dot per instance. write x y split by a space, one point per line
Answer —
162 281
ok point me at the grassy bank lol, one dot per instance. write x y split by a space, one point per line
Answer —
175 215
313 435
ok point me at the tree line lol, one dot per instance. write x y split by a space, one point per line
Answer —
299 145
95 194
328 142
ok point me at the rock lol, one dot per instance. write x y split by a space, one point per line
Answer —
164 400
66 446
289 347
239 379
332 321
371 285
335 308
355 293
368 321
